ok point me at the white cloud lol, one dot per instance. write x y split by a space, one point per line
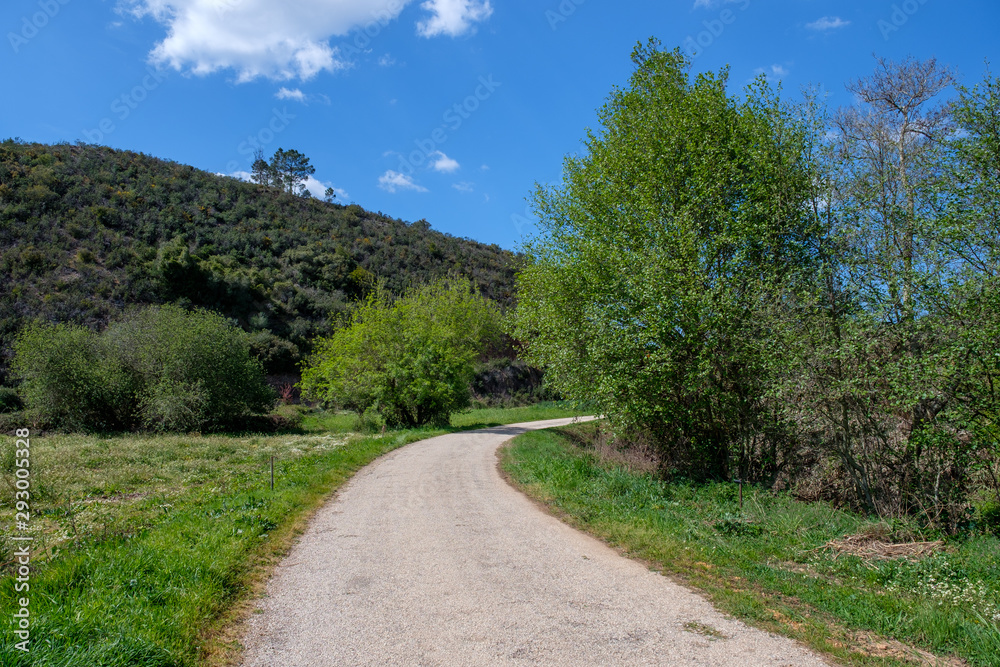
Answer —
828 23
293 94
464 186
453 17
391 181
386 61
316 187
279 40
709 4
772 72
443 163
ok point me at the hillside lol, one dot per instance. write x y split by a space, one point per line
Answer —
87 231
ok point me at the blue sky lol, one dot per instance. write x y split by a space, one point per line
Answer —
447 110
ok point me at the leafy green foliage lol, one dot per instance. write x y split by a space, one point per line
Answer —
9 400
87 229
888 359
683 217
287 170
160 367
759 290
411 360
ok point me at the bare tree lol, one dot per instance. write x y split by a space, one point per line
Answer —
890 144
261 172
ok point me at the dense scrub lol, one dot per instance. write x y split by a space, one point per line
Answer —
85 230
160 367
756 289
409 360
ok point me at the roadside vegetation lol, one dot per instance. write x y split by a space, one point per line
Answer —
148 547
406 361
799 298
866 591
159 368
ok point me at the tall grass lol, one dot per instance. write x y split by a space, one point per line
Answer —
767 563
144 543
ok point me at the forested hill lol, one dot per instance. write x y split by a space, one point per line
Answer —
87 231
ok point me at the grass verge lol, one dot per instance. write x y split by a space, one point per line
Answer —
149 548
767 563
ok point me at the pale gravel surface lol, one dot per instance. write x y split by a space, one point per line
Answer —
427 557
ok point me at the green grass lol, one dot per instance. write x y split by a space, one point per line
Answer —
767 563
146 544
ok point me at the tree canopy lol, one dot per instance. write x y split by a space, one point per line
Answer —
159 367
409 359
684 215
288 170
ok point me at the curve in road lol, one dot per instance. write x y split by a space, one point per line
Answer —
427 557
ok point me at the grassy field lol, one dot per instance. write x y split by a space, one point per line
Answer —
148 548
769 563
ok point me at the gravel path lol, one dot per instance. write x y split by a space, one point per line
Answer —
427 557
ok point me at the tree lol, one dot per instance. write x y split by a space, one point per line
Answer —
643 291
892 144
160 367
288 170
260 171
409 359
885 359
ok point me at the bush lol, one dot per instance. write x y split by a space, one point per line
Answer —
160 367
9 400
410 360
69 377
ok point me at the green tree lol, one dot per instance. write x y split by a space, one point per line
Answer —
291 170
886 359
71 380
410 359
288 170
160 367
644 291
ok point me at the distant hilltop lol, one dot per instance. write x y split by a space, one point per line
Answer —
87 231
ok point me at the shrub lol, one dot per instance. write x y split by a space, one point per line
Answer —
160 367
68 376
9 400
410 360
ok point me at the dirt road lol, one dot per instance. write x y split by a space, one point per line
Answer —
427 557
